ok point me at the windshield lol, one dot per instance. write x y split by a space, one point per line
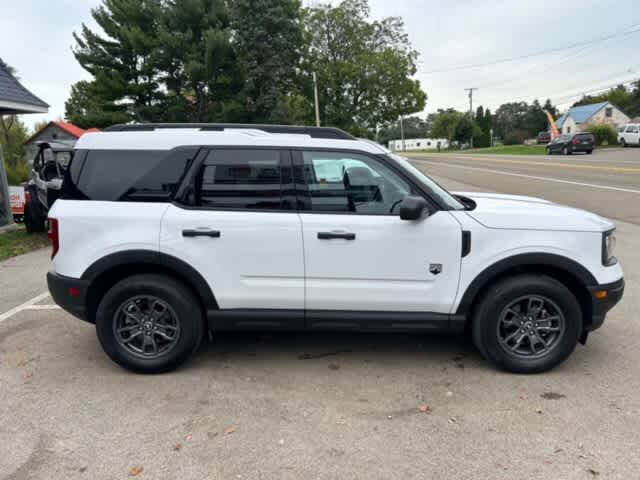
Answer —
444 196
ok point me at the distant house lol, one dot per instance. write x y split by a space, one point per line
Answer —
418 144
578 118
55 131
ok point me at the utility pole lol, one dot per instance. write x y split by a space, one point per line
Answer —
315 94
470 90
402 132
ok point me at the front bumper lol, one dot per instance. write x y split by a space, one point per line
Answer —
601 303
69 293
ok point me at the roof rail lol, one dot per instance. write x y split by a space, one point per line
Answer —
313 132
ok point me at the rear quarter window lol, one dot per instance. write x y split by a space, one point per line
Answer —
133 175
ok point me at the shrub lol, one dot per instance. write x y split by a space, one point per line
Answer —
604 133
18 175
515 137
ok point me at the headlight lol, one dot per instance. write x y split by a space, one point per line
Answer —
608 247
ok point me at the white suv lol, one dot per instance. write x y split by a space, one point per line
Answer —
629 134
167 231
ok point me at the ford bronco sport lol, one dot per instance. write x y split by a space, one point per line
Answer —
165 232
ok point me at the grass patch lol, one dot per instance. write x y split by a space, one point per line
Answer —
19 241
510 150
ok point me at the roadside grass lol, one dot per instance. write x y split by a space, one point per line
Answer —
510 150
18 242
501 150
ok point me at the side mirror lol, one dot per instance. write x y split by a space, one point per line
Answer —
413 208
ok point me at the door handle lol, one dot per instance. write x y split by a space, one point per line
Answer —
336 235
201 233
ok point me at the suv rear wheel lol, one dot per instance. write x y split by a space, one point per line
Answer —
149 323
527 324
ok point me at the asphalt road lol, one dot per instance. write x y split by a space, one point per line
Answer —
317 406
606 182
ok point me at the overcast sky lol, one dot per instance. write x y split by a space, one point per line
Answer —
36 39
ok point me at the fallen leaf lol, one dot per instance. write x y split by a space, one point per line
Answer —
188 436
177 447
136 470
230 430
424 408
453 420
539 411
593 472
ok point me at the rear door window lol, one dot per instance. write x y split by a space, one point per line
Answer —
243 180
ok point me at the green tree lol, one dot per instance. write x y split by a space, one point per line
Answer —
509 117
269 40
444 126
465 129
124 60
620 96
364 67
414 127
197 61
634 107
87 109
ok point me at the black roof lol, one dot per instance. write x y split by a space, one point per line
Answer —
12 92
313 132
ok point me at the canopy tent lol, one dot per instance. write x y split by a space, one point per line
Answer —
14 100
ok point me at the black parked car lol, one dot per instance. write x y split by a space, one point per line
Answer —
571 143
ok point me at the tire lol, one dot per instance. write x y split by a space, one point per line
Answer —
182 313
28 225
33 220
565 151
491 324
589 152
548 151
623 143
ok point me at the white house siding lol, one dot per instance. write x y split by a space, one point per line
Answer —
617 118
569 126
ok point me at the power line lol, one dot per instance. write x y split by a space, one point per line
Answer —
536 54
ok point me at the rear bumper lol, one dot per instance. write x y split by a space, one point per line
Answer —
69 293
600 306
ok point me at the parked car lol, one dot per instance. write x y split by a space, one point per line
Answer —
629 135
163 234
47 172
543 138
572 143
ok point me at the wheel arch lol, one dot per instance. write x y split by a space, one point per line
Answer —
569 272
107 271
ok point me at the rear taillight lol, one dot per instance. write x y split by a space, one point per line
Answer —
575 141
54 236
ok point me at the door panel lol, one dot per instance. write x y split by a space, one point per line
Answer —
254 261
385 267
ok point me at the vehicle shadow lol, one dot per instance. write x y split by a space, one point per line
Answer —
245 348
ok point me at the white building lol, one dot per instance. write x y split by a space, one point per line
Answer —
418 144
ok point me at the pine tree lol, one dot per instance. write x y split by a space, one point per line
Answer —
269 42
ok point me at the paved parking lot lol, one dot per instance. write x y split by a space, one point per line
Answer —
289 406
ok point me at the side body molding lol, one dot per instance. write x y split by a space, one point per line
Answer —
558 262
158 260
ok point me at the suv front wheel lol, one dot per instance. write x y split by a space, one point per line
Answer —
527 323
149 323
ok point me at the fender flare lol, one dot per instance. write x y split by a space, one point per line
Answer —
579 272
154 259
